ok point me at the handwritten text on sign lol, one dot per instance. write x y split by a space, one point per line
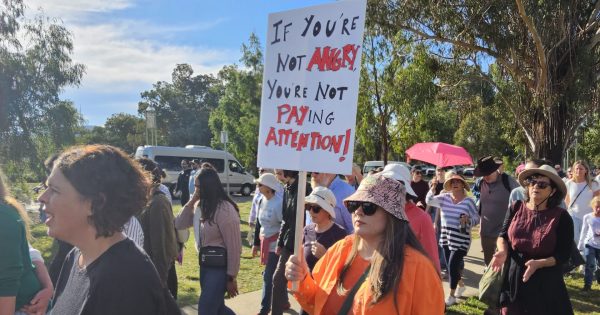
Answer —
310 88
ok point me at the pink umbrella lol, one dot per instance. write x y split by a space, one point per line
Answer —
439 154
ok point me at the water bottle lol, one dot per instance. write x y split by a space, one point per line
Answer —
463 224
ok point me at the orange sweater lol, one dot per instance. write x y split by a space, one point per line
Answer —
419 292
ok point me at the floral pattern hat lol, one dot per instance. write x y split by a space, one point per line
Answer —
385 192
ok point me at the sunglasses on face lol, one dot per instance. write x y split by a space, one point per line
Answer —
540 185
417 172
455 181
314 208
368 208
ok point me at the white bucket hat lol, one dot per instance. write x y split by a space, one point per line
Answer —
270 181
323 197
401 173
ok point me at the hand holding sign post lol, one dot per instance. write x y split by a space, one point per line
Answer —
310 92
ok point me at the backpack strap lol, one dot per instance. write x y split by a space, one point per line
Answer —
350 298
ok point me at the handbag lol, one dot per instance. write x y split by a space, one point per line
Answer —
213 256
491 282
490 285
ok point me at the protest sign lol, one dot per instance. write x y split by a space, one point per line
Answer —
310 88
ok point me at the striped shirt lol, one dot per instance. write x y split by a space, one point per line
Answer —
450 221
133 230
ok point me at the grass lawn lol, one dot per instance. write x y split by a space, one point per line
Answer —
250 279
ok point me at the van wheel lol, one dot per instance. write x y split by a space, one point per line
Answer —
246 190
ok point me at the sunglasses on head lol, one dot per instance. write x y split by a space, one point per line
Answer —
368 208
314 208
532 182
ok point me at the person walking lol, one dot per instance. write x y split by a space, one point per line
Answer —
183 179
580 191
285 241
492 191
270 207
458 214
536 239
160 242
380 268
589 243
220 240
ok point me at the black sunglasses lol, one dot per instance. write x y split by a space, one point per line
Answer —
315 208
533 182
368 208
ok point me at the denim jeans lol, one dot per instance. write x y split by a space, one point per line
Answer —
267 289
213 284
592 260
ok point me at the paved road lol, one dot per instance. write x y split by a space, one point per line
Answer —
248 303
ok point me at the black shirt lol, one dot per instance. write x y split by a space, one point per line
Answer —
121 281
327 239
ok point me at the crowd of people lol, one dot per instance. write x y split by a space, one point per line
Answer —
377 243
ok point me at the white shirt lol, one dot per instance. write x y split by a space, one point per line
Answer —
590 232
580 206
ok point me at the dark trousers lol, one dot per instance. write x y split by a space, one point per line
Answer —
280 296
455 261
172 281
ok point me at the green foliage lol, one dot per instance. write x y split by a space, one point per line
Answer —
33 120
547 55
182 107
239 107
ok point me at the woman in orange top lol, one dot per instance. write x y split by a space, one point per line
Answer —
382 262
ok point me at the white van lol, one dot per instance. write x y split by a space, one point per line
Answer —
371 165
169 159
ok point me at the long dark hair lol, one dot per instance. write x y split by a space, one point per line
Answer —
211 193
387 263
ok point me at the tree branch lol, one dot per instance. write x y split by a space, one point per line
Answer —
511 67
541 54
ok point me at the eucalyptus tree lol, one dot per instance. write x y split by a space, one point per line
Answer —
547 53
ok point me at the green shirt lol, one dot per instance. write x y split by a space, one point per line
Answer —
17 274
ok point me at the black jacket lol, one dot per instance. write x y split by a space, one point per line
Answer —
288 225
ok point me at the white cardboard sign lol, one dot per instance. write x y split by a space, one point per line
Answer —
310 88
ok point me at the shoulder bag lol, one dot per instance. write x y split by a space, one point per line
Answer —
492 281
213 256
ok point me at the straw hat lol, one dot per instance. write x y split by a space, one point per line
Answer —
448 185
548 171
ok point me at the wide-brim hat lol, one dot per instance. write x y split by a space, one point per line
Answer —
388 193
323 197
401 173
270 181
448 185
486 166
548 171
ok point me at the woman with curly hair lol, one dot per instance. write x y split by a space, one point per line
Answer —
92 192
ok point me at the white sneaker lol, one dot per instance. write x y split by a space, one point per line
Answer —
450 300
460 291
